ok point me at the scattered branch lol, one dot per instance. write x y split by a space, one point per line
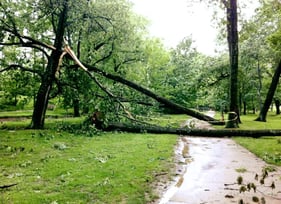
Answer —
8 186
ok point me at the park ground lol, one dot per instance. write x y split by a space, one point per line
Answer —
59 165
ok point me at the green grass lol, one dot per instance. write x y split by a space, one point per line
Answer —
50 123
267 148
21 113
273 122
50 166
58 112
169 120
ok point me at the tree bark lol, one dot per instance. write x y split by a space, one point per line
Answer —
270 94
42 98
161 100
232 38
191 132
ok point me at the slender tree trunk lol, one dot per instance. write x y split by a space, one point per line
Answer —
270 94
232 38
76 101
260 86
245 107
42 98
76 107
254 106
277 105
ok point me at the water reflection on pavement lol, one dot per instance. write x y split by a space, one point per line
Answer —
212 173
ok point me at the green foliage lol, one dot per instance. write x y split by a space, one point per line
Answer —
110 36
58 167
85 128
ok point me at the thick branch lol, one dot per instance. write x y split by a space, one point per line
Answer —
191 132
162 100
8 186
156 97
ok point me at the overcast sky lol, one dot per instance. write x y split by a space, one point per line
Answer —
172 20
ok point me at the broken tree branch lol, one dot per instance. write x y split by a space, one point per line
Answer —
8 186
167 103
162 100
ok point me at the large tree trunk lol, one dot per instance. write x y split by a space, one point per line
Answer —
270 94
42 98
232 38
167 103
191 132
40 107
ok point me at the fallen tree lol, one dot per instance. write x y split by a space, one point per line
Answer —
190 132
165 102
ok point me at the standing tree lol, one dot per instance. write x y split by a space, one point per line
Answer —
232 39
52 68
19 29
271 11
270 94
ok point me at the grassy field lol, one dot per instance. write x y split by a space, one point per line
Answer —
55 166
58 167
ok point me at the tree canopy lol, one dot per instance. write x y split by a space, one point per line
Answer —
125 72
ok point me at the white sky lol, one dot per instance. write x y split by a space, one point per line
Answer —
172 20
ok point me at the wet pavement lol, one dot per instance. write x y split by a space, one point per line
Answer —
212 168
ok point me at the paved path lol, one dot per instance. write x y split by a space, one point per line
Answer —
213 166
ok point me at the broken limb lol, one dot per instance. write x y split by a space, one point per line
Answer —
8 186
167 103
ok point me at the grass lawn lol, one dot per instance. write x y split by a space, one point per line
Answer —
58 167
267 148
54 166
